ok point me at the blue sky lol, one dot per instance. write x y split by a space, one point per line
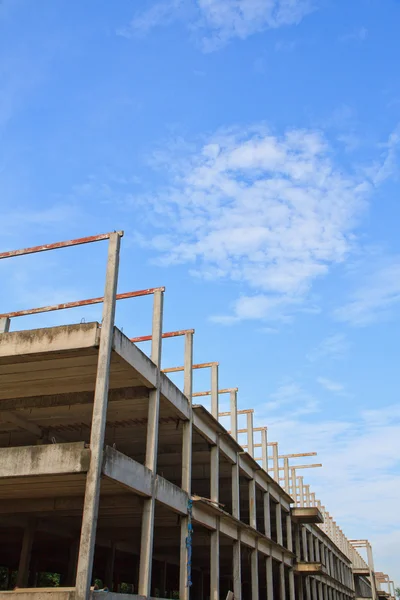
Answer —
250 151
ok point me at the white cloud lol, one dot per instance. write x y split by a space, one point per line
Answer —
219 21
360 478
291 399
334 346
388 166
375 298
160 13
273 212
331 386
358 35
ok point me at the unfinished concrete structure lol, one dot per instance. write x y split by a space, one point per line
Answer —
109 471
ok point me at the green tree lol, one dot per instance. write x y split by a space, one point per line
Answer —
397 592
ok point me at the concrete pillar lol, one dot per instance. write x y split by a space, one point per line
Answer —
214 564
264 448
286 474
289 536
320 591
269 577
235 489
301 490
109 574
314 590
250 434
147 535
311 547
254 574
294 484
92 491
237 569
307 585
214 391
279 532
282 588
234 417
308 497
4 324
267 514
292 589
25 556
214 541
184 569
252 504
305 544
275 461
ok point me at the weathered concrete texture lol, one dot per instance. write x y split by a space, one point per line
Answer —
44 460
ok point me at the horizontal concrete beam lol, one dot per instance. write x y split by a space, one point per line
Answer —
44 460
50 339
128 472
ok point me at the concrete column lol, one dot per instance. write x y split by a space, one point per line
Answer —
294 484
320 591
311 547
254 574
264 448
267 515
314 590
301 490
308 497
286 474
292 589
252 504
109 574
235 489
214 391
269 577
214 564
4 324
147 535
214 541
99 415
289 536
25 556
279 533
307 585
250 434
275 461
237 569
234 417
317 552
184 584
305 545
282 589
297 541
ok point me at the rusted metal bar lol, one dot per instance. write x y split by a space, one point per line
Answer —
198 366
79 303
245 411
225 391
298 455
168 334
57 245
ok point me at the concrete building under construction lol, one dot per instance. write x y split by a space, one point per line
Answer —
110 473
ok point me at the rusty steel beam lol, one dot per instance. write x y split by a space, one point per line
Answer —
79 303
168 334
198 366
245 411
224 391
57 245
